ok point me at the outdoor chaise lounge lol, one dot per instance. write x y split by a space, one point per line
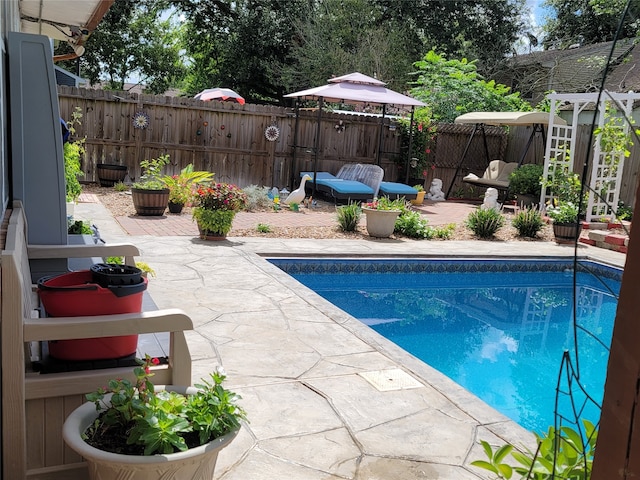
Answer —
355 181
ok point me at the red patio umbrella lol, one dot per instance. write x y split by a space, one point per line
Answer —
221 94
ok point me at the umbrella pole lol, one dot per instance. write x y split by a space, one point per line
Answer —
384 110
317 146
406 166
294 160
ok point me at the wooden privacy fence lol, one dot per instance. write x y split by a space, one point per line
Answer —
229 140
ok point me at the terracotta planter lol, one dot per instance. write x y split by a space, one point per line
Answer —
381 223
566 233
150 202
193 464
419 198
110 174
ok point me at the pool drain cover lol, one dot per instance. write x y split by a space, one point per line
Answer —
387 380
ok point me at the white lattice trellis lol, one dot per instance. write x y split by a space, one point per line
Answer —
607 166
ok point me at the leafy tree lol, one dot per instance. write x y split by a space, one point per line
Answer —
588 21
134 40
454 87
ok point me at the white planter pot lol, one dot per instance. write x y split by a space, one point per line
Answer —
193 464
380 223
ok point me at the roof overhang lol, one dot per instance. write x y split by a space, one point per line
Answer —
509 118
70 21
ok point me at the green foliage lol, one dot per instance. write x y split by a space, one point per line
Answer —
566 189
485 222
214 221
120 187
349 216
78 227
263 228
158 421
412 224
419 187
624 212
454 87
73 151
257 197
144 266
564 454
180 186
528 222
134 39
151 178
586 22
385 203
421 158
526 180
563 212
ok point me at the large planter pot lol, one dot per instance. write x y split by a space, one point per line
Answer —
150 202
380 223
193 464
213 224
566 233
109 174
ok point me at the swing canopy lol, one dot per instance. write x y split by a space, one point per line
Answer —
509 118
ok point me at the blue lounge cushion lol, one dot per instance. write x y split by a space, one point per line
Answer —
394 188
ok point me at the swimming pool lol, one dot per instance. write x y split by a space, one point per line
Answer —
497 327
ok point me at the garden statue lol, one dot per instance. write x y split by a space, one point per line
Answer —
297 196
435 191
490 199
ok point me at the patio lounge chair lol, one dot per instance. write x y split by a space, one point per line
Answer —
356 181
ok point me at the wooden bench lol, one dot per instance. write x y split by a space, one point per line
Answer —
34 405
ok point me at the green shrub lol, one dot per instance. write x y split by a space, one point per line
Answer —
263 228
349 216
526 180
257 198
528 222
120 187
565 453
444 232
414 225
484 223
78 227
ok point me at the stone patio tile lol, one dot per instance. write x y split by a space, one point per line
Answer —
428 436
262 466
376 468
287 409
342 341
333 451
339 365
362 406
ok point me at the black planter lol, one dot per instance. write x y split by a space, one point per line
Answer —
175 207
109 174
150 202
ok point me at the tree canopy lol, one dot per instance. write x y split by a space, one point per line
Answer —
585 22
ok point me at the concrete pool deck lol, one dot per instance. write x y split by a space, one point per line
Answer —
327 398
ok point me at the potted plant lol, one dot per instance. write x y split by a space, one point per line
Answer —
564 208
181 186
420 197
566 223
525 184
215 207
382 214
143 432
150 194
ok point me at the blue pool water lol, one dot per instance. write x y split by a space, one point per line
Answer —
497 327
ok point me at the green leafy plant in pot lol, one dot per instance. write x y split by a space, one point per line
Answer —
156 432
382 214
564 209
150 194
525 184
181 186
215 207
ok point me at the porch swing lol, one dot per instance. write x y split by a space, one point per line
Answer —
498 171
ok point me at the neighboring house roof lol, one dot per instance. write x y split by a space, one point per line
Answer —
573 70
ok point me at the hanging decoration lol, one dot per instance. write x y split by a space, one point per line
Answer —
140 120
272 133
339 126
